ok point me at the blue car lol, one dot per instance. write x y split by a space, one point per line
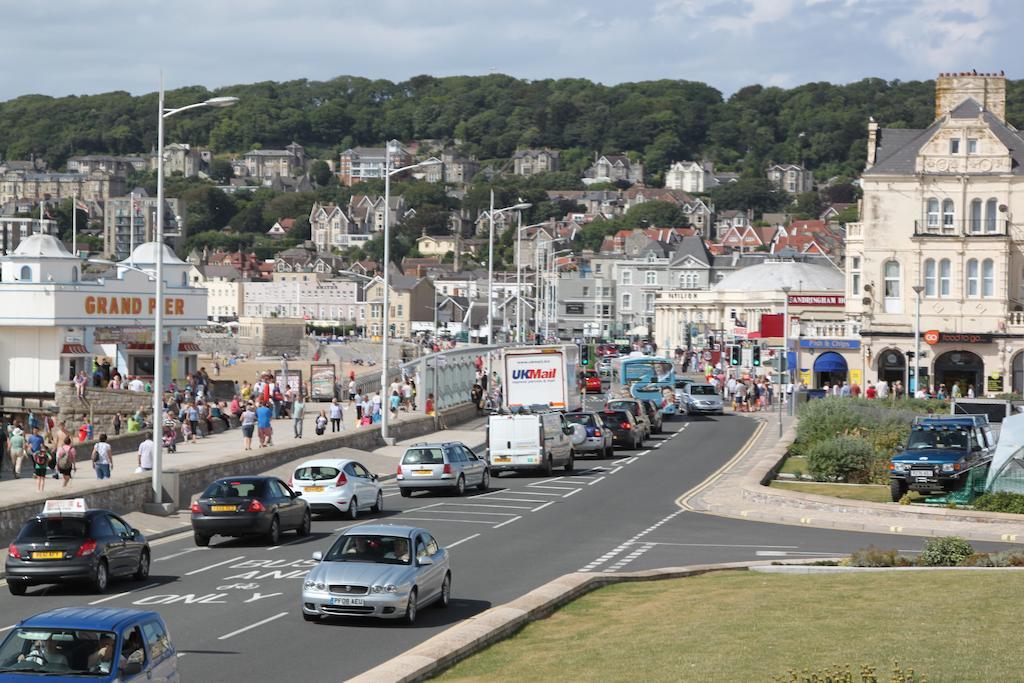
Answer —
90 643
940 454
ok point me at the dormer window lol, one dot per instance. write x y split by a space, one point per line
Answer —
954 146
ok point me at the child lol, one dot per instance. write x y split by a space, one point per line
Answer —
186 432
430 404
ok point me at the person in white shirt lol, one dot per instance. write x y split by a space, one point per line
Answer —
146 455
136 384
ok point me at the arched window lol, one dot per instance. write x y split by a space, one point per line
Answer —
933 212
892 287
975 215
26 274
947 215
944 277
991 207
972 277
988 278
929 277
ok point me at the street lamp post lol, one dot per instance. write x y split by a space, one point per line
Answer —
158 313
917 340
490 266
386 312
784 361
552 290
519 279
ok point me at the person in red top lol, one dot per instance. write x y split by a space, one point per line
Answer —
871 392
855 390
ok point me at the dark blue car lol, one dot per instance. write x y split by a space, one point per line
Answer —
89 643
939 455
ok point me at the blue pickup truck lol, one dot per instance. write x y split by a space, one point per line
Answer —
940 454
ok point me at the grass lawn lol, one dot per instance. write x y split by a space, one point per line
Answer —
794 464
744 626
871 492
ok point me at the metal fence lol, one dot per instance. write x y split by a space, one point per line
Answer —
448 375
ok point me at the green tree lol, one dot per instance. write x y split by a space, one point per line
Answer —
221 171
207 208
320 172
808 205
749 193
654 214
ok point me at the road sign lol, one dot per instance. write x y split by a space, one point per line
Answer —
706 356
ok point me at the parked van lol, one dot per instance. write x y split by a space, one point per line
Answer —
541 441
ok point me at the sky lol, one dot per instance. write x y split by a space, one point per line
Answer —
73 47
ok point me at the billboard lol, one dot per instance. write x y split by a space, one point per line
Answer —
535 379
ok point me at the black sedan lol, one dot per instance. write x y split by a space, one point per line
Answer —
626 431
93 546
249 506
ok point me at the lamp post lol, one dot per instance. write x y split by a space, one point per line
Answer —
490 267
386 313
784 361
917 340
552 298
519 279
158 257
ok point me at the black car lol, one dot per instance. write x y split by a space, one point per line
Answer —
249 506
92 546
626 431
655 415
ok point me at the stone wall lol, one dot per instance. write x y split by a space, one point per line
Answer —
99 406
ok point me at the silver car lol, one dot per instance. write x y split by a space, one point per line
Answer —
599 439
701 399
378 570
449 466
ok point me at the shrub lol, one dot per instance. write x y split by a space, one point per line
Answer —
844 674
876 557
1008 558
841 458
948 551
1002 501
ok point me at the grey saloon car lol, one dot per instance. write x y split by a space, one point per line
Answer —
378 570
449 466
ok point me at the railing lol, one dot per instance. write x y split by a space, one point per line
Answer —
971 227
830 330
448 375
1015 318
854 231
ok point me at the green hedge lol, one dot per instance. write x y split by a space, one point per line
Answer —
1001 502
842 458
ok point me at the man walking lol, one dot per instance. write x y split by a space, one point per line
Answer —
298 410
266 432
146 455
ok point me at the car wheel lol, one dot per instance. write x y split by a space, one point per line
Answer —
307 522
405 492
410 608
485 481
379 505
274 535
460 486
569 465
353 508
101 579
897 489
17 587
201 541
310 617
609 452
446 592
142 572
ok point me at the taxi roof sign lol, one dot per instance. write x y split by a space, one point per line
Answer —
64 507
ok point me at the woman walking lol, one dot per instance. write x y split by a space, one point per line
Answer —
66 457
248 421
336 416
40 463
102 461
321 423
16 445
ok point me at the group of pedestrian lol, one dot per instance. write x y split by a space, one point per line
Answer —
50 452
748 394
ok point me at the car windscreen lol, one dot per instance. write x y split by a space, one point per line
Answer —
246 488
702 390
423 456
47 528
316 473
370 548
57 651
956 439
625 405
580 419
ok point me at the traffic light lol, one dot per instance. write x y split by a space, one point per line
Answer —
585 350
734 355
756 356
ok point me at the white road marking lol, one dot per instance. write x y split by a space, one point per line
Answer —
507 521
533 492
574 491
616 469
658 445
591 483
620 461
450 519
632 460
121 595
485 505
555 488
541 507
515 500
181 654
474 512
183 552
214 566
643 452
342 528
467 538
252 626
718 545
432 505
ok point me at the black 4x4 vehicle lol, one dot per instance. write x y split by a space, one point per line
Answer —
940 453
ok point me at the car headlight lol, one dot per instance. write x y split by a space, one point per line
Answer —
310 584
387 588
899 467
948 467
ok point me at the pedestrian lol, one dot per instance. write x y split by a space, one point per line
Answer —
66 457
321 423
102 461
367 411
192 415
359 406
476 394
351 391
17 448
145 461
430 404
970 391
871 391
80 381
246 391
248 421
298 408
218 411
336 416
117 423
40 459
266 432
394 401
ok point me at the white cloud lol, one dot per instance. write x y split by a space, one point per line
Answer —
944 35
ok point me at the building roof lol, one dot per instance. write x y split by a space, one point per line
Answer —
146 253
774 275
42 246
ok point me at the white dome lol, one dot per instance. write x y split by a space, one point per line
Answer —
43 246
774 275
145 254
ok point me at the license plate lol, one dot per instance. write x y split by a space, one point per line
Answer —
223 508
920 473
48 555
423 473
503 458
314 489
347 602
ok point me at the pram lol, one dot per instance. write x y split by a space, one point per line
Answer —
170 437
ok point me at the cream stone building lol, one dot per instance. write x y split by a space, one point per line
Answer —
938 215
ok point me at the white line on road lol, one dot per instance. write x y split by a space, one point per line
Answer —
475 512
183 552
432 505
181 654
620 461
591 483
541 507
507 521
630 461
715 545
342 528
252 626
121 595
467 538
616 469
644 452
658 445
450 519
514 500
531 492
554 488
571 493
214 566
485 505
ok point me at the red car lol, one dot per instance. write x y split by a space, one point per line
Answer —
592 382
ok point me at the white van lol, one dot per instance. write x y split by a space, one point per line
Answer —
541 441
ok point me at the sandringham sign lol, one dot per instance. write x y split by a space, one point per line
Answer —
817 300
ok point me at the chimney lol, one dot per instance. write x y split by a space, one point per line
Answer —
872 142
988 89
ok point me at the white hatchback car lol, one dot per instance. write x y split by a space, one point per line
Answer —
331 485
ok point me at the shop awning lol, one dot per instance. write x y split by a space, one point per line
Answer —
830 362
74 350
188 347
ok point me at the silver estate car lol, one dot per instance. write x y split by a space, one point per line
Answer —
701 399
449 466
378 570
